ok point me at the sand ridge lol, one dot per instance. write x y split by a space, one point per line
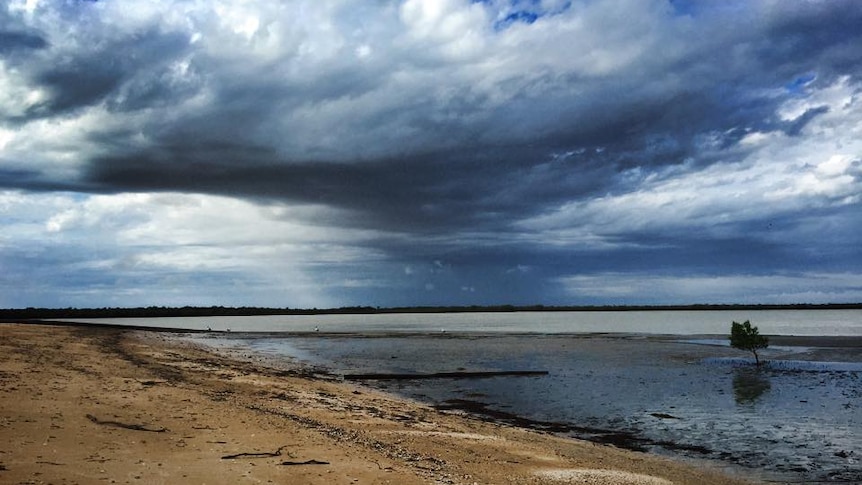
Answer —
89 405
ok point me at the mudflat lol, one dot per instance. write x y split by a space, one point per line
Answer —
105 405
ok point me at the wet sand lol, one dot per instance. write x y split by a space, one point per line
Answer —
793 420
90 405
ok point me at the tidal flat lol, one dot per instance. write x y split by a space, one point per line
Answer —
693 398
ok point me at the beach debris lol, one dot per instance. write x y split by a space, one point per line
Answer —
663 416
117 424
444 375
151 382
307 462
255 454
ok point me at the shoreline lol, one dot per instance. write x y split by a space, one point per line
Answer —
68 392
642 428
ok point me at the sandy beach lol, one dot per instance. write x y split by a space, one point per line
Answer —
90 405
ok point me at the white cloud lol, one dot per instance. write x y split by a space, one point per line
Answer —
5 137
837 96
16 95
59 148
780 175
177 239
437 62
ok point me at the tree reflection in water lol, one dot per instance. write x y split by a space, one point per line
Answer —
749 384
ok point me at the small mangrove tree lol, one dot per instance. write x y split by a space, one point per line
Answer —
745 336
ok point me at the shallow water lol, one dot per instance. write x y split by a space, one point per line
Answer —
794 419
673 322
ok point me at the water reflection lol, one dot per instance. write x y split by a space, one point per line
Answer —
749 384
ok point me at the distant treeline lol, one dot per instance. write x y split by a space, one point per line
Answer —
212 311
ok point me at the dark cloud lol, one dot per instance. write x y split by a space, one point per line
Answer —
19 177
396 194
96 73
806 35
794 127
13 42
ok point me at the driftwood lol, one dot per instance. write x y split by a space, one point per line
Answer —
443 375
255 455
136 427
273 454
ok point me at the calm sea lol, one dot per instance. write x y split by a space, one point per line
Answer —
770 322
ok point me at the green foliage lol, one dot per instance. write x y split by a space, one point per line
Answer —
745 336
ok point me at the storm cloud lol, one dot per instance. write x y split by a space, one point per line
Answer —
328 153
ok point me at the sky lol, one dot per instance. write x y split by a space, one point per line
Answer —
327 153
